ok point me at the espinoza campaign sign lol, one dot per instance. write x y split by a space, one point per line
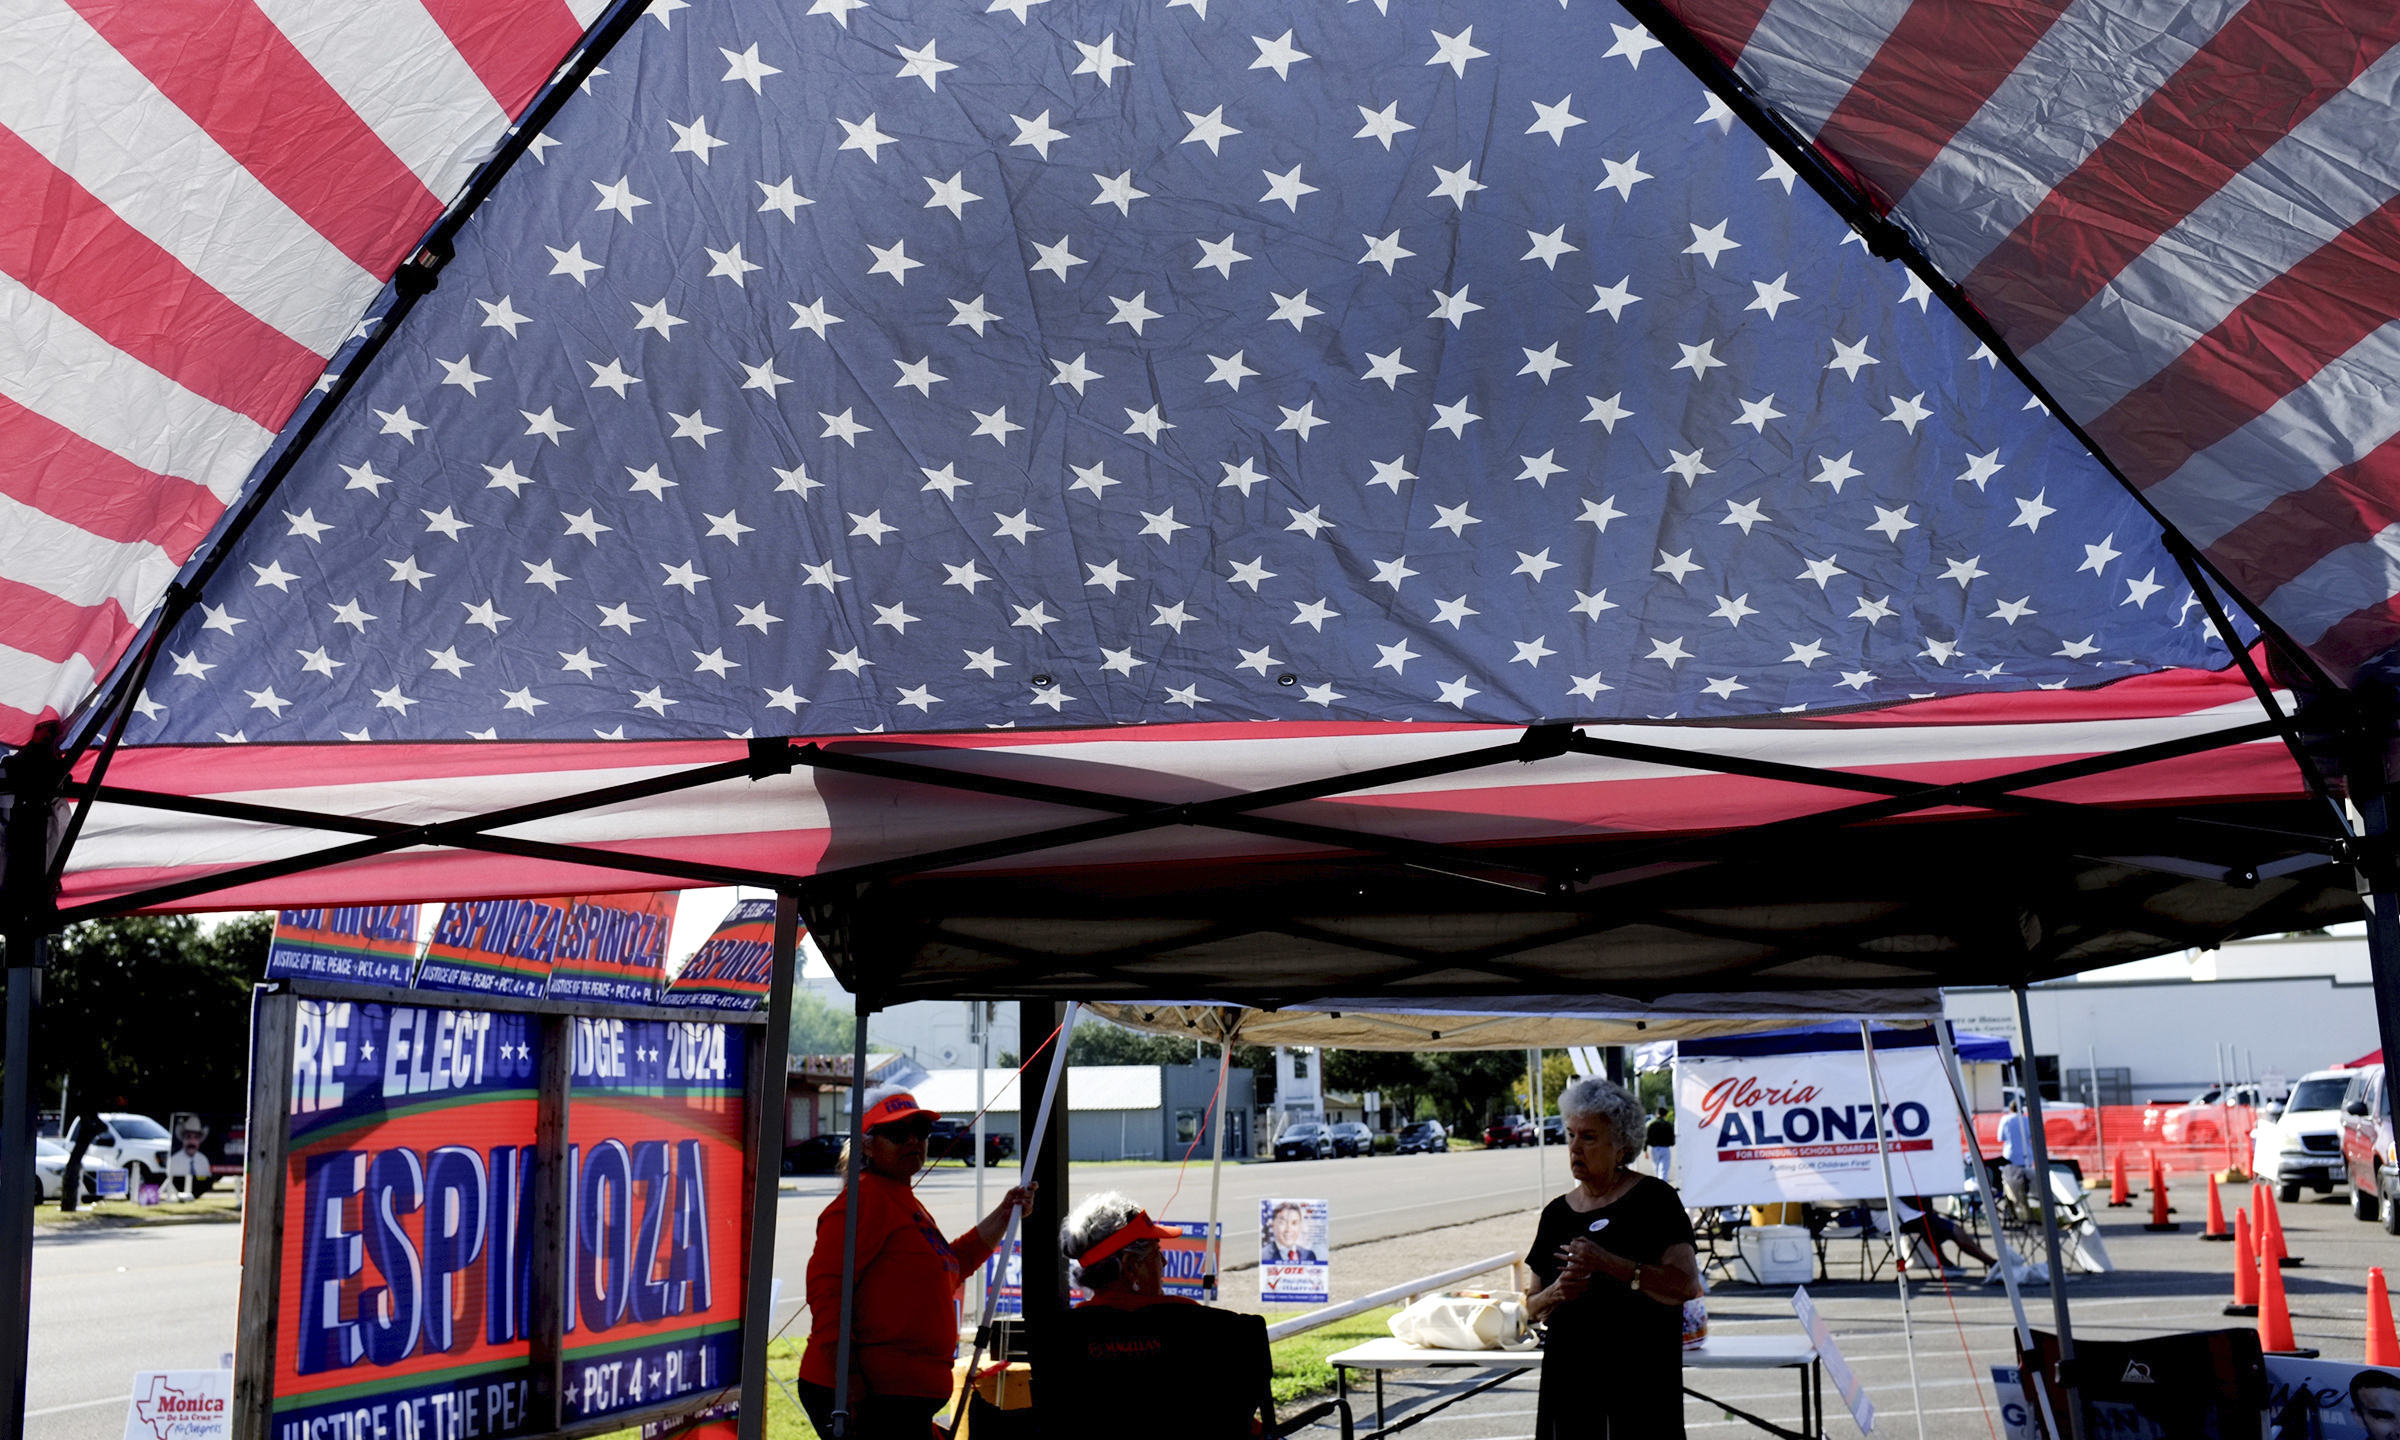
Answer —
405 1298
1791 1116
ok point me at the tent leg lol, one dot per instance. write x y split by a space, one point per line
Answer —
1541 1156
768 1134
18 1186
1043 1272
1991 1207
855 1156
26 907
1891 1215
1214 1237
2041 1176
1029 1168
979 1020
2379 874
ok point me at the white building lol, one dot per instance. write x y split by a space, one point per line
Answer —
937 1034
2169 1027
1116 1112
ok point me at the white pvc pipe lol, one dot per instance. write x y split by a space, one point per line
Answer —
1214 1236
1957 1074
1891 1201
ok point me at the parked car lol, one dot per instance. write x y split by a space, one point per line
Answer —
2367 1149
2208 1116
1307 1140
1352 1138
1502 1133
2302 1145
136 1144
955 1140
817 1155
50 1166
1554 1130
1425 1137
2065 1124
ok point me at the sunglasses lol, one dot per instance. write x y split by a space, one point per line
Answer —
900 1130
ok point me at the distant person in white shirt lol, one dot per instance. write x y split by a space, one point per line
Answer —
2016 1154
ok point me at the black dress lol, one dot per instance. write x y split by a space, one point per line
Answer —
1612 1367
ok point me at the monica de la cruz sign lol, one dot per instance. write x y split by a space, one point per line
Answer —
1754 1129
406 1280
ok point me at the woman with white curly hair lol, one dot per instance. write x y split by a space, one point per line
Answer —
1115 1243
1615 1260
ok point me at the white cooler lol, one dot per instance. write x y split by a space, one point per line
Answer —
1779 1254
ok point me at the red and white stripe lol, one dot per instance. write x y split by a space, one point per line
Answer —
2183 214
198 198
810 821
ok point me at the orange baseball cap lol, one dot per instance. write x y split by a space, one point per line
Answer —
895 1107
1136 1228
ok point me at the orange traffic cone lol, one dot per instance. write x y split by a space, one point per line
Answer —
2245 1268
2274 1316
2158 1199
2216 1213
2271 1242
2120 1195
2283 1248
2383 1347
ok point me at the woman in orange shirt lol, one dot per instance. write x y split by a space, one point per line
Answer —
904 1318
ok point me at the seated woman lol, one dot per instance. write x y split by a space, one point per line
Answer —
1132 1342
1614 1256
1920 1220
1115 1242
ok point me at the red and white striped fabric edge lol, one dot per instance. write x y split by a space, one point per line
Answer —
198 200
2184 215
810 821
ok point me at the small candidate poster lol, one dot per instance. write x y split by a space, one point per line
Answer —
495 947
354 944
2329 1400
613 948
1295 1252
1187 1260
732 969
180 1405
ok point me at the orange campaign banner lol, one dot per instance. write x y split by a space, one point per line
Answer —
656 1152
495 947
406 1277
732 970
353 944
613 948
405 1293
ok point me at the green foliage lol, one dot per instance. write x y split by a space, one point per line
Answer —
1466 1086
1557 1072
1102 1042
150 1015
1398 1075
819 1027
1300 1368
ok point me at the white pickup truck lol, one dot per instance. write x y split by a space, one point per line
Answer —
133 1143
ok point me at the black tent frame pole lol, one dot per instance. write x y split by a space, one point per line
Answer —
770 1070
28 917
2031 1084
2369 764
854 1155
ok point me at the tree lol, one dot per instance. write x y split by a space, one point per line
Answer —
819 1027
149 1015
1557 1072
1400 1075
1102 1042
1467 1086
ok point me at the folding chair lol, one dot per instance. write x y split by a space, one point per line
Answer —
1127 1370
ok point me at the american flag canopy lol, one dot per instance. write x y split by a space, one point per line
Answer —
197 202
2182 216
923 365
